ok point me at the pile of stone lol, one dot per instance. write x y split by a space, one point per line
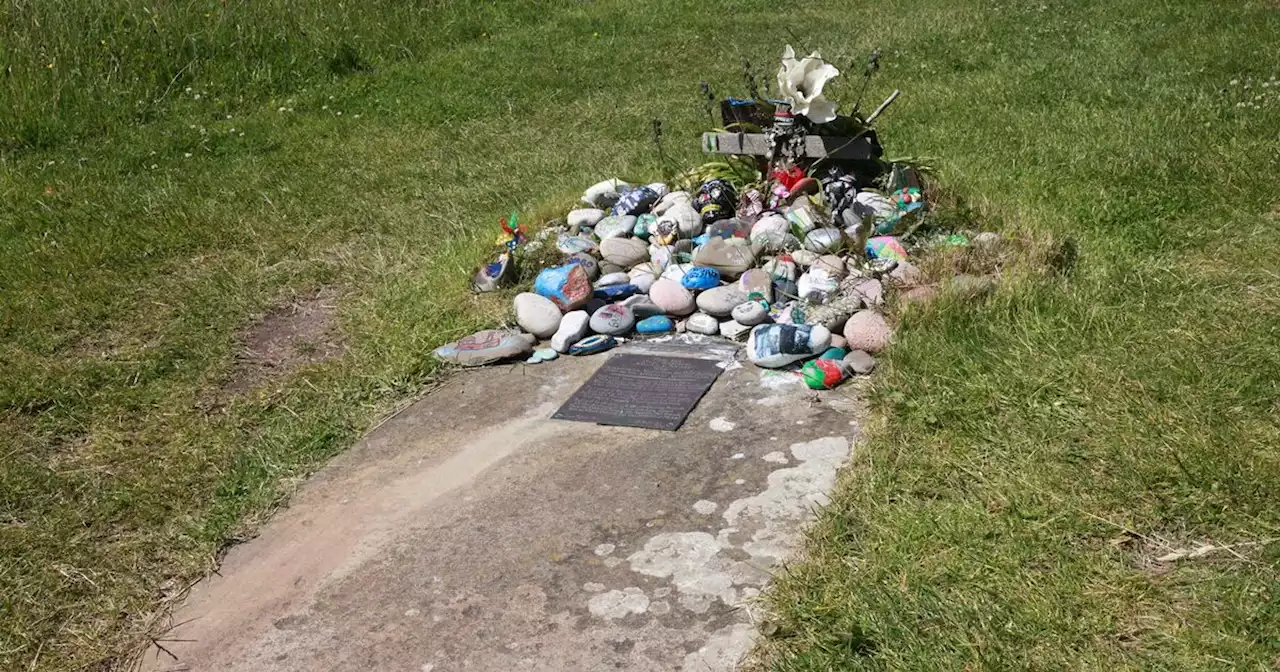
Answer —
644 261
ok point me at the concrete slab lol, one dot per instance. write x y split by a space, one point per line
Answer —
472 532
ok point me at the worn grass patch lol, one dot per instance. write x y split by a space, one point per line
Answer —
142 229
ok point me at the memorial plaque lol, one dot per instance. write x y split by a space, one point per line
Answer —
641 391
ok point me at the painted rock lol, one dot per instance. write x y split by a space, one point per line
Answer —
867 330
658 324
822 374
659 188
833 352
585 217
720 301
702 323
613 320
572 328
605 194
750 314
615 226
676 271
699 278
871 203
757 284
733 330
542 355
636 202
886 247
486 347
775 345
780 268
859 362
537 314
801 218
716 199
567 286
672 297
817 285
574 244
644 224
587 262
491 276
593 344
729 256
614 292
823 241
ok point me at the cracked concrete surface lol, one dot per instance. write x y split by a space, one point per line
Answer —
472 532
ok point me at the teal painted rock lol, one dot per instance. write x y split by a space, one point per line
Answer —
593 344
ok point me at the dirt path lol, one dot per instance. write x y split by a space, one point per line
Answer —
473 533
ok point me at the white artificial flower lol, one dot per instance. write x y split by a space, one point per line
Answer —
801 81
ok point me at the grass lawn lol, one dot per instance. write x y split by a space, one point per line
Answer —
191 170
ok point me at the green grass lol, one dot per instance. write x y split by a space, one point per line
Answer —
1037 450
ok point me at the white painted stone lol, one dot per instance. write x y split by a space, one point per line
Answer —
537 314
573 328
704 507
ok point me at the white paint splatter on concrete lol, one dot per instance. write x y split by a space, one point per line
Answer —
604 549
777 457
618 603
593 587
722 424
738 456
792 495
704 507
739 482
723 651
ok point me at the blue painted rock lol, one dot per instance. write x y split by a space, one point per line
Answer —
593 344
615 292
774 345
567 286
699 278
636 202
613 320
833 353
658 324
486 347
